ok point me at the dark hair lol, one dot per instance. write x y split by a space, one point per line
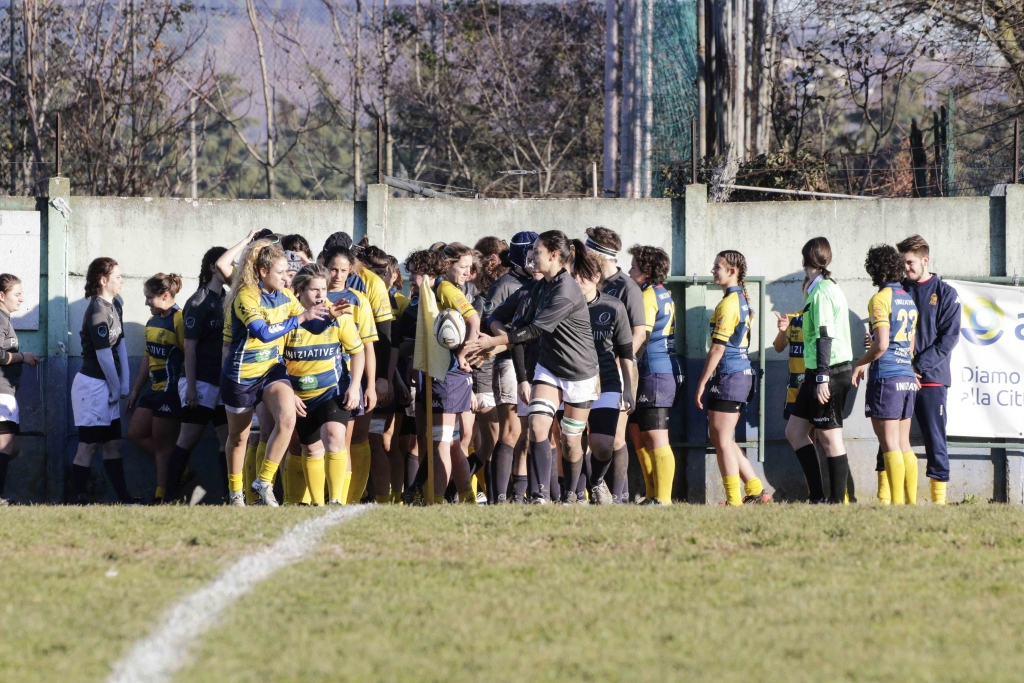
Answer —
297 243
452 252
584 264
374 258
99 268
429 262
307 274
651 261
884 264
209 263
395 268
817 253
738 261
914 244
557 243
492 268
335 252
163 282
7 281
605 237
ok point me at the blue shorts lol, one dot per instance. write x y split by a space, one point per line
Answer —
239 398
735 386
164 404
454 393
890 398
656 391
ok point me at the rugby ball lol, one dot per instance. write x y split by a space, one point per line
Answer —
450 329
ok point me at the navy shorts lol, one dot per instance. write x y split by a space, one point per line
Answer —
241 397
164 404
735 387
454 393
890 398
656 391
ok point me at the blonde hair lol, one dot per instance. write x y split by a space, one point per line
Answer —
258 256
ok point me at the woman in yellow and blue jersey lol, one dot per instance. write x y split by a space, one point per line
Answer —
262 312
350 470
892 383
659 373
729 378
157 413
324 394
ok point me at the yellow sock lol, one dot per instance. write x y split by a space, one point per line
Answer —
316 475
159 495
360 471
732 490
481 481
754 487
884 497
249 473
383 500
268 470
896 473
938 492
335 467
467 497
294 479
910 477
647 469
473 485
346 486
235 482
664 468
396 498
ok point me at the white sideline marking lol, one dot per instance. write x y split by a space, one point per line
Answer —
160 655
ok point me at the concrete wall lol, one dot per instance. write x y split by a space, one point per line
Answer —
969 236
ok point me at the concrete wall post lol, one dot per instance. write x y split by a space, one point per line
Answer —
56 391
1014 230
377 215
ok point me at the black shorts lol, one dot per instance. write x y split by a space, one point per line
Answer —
8 427
720 405
603 421
308 428
201 415
165 404
101 434
651 419
829 415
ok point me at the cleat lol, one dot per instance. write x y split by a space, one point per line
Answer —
198 493
236 499
481 498
602 494
536 499
569 498
650 501
518 499
80 499
334 502
761 499
4 502
582 500
265 491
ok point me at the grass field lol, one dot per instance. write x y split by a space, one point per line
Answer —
458 593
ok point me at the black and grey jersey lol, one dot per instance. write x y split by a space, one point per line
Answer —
512 281
10 373
102 328
482 376
622 287
613 338
562 323
513 312
203 317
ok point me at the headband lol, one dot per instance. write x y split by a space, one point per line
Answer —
594 246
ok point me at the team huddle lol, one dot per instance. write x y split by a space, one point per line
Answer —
304 366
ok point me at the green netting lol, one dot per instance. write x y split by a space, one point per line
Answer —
674 90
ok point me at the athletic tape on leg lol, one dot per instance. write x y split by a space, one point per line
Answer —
444 433
571 427
542 406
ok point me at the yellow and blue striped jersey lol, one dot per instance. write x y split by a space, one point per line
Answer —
450 296
312 359
401 303
730 325
362 315
797 367
659 320
249 358
892 307
165 348
368 283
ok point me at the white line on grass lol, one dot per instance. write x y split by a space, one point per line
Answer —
159 656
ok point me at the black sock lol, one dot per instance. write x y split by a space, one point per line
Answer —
474 464
879 461
520 484
501 466
808 457
850 491
451 493
79 481
421 475
838 474
584 480
598 470
4 459
620 474
556 487
571 472
222 466
175 467
412 468
540 454
115 475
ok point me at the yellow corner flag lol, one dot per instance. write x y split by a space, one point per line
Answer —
429 357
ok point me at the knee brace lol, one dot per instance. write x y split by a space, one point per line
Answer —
542 406
444 433
571 427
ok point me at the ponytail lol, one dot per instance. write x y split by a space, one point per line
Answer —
99 268
162 283
736 260
584 265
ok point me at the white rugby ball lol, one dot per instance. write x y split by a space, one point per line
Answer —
450 329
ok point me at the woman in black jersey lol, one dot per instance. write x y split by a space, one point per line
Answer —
613 341
199 387
567 368
101 382
12 361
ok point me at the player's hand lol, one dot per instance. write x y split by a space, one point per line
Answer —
383 390
370 397
858 372
463 363
824 393
339 308
318 312
132 398
477 346
783 322
698 398
352 397
524 393
30 359
867 341
191 396
300 407
628 402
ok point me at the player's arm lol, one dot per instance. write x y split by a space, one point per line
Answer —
947 333
226 263
782 337
714 357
